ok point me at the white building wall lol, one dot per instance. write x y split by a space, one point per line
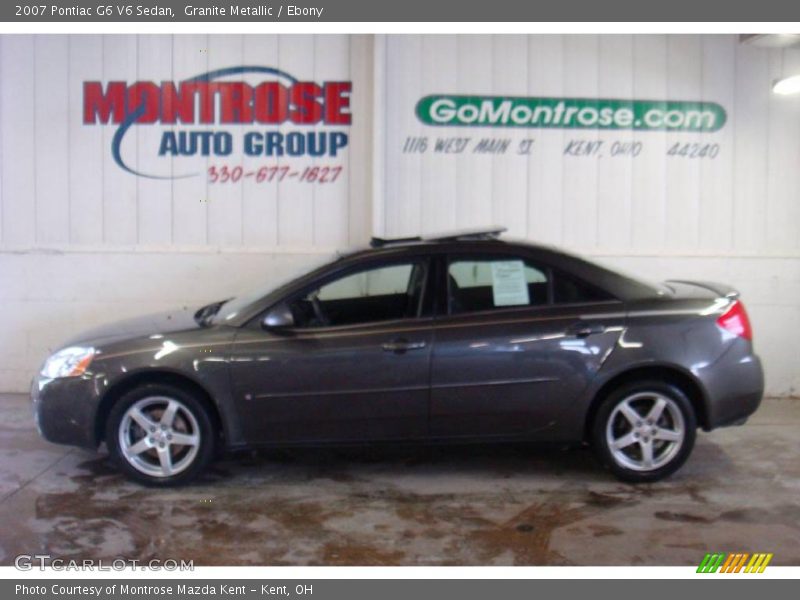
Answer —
83 242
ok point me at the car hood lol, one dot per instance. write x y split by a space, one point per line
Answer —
171 321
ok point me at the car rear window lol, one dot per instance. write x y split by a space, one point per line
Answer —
567 290
498 282
485 283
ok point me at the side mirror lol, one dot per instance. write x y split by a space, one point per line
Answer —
278 319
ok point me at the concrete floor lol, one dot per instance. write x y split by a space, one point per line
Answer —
740 491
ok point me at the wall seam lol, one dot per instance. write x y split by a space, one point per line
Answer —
35 152
2 163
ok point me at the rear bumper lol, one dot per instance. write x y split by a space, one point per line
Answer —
65 410
735 387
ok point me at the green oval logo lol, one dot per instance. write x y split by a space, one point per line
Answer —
570 113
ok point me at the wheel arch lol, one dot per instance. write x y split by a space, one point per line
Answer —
161 376
685 381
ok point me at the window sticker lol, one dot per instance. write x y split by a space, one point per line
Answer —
509 287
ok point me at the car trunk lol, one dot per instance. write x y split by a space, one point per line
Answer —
700 289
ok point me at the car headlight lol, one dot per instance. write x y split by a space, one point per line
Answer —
69 362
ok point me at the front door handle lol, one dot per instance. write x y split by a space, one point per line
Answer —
583 329
401 346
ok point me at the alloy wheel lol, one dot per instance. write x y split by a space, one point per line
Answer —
159 436
645 431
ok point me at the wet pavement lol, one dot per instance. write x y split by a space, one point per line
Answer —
487 505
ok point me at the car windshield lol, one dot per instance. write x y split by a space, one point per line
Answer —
231 308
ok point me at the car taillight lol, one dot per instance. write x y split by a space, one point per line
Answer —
736 321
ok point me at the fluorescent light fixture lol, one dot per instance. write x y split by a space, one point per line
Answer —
787 85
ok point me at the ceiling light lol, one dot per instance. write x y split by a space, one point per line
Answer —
787 85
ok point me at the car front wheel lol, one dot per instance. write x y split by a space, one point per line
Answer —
644 431
160 435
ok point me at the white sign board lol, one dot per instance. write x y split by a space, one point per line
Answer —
508 283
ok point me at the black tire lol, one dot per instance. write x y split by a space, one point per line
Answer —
207 434
673 456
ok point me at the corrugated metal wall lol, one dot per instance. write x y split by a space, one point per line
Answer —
744 201
61 187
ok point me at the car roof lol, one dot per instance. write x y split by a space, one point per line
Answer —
490 233
410 246
458 240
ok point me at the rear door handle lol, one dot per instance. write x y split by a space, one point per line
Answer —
583 329
402 346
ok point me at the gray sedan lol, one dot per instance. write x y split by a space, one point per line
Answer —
459 338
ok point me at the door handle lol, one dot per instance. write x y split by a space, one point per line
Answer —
583 329
402 346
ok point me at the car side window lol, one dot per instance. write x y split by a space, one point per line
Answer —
568 290
382 293
495 282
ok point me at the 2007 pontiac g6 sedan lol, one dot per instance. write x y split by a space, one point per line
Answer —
459 338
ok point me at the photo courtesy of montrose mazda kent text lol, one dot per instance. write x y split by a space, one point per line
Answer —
454 338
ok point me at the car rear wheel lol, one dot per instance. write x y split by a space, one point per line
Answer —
160 435
644 431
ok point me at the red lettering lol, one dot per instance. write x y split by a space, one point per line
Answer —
236 102
206 92
305 107
271 103
226 102
337 102
99 106
177 102
144 95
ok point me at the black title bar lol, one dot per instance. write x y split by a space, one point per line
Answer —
395 11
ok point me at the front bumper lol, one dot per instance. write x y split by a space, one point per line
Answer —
65 410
